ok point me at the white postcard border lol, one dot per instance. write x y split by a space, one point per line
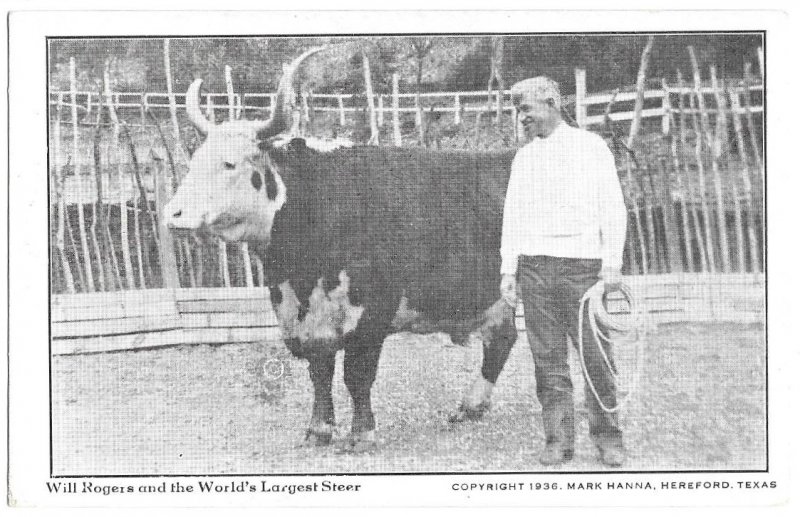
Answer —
29 358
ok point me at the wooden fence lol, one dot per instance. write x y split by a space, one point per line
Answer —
131 320
134 320
588 108
694 184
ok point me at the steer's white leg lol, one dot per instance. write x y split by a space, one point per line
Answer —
479 395
498 332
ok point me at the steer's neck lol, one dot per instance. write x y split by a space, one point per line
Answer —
276 255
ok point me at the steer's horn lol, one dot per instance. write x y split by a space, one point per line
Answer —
193 107
282 111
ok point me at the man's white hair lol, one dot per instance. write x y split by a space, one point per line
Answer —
540 88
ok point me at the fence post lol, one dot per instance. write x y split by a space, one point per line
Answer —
88 105
342 120
736 112
59 190
683 190
259 271
87 261
211 112
640 88
98 219
123 202
137 226
457 110
418 115
751 127
173 110
670 222
671 232
222 253
580 97
515 122
478 116
374 138
720 143
229 89
305 113
756 148
271 108
380 110
398 138
166 249
697 106
705 125
666 107
634 129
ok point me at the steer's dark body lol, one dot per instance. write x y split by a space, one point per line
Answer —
398 221
429 222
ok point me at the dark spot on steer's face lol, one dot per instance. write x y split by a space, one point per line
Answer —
255 180
272 185
260 176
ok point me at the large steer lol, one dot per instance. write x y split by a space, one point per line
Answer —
346 234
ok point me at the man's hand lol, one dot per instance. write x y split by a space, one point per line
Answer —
508 289
612 279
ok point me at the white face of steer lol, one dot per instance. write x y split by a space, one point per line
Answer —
232 190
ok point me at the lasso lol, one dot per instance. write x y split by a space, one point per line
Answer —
598 315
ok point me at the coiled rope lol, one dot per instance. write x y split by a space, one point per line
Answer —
628 328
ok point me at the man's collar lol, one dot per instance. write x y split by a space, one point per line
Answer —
558 129
556 132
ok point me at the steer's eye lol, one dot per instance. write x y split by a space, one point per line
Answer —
229 166
255 179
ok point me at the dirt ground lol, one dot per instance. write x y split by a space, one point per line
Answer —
700 403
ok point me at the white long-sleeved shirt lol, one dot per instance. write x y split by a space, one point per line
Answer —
564 200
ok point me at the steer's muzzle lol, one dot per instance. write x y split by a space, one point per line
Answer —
180 221
225 226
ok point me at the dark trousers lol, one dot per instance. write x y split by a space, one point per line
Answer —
551 289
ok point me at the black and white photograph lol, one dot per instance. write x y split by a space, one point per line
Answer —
419 254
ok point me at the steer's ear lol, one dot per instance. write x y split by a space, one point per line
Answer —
297 145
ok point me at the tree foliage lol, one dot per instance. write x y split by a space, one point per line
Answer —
435 62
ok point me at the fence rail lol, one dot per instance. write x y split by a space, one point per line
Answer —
456 103
132 320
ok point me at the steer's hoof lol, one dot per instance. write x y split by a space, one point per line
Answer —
359 443
316 439
466 413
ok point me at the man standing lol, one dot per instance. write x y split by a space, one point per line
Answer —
563 231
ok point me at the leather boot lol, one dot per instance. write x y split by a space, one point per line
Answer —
612 454
554 453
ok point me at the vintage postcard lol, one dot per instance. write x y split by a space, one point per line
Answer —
398 259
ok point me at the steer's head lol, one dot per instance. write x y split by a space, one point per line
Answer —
233 190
